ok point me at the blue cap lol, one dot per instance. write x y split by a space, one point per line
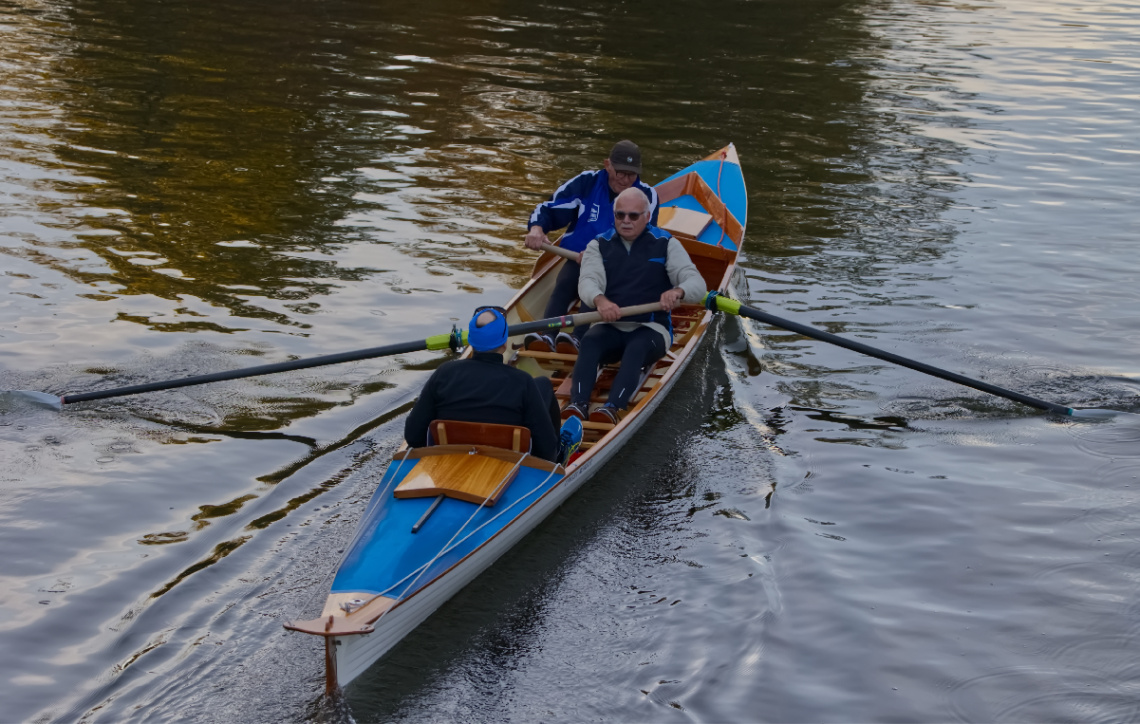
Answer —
490 336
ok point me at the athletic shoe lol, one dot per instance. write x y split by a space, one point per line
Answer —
569 438
566 343
573 410
536 342
606 413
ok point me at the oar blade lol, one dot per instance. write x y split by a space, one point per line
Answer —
1097 414
15 399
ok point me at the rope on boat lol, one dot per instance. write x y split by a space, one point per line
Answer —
452 544
361 527
719 171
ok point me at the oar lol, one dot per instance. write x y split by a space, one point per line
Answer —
559 251
715 302
454 340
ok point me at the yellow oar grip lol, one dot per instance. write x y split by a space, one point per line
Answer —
443 341
723 303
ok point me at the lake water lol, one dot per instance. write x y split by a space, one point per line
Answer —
802 534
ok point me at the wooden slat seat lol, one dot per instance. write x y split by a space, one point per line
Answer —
553 362
456 432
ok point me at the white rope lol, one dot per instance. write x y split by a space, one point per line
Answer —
448 547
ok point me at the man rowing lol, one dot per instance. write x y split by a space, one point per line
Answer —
633 263
584 206
485 389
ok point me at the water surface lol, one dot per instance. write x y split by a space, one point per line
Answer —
801 534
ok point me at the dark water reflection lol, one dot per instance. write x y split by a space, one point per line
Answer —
802 534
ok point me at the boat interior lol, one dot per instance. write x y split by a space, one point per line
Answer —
694 215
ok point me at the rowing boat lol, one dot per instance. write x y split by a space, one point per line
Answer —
442 514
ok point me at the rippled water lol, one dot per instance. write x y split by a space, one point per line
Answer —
802 534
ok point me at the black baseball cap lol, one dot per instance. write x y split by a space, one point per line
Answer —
626 156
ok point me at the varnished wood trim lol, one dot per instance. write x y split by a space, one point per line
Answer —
529 461
549 356
333 621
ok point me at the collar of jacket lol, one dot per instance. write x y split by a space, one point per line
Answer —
643 235
488 357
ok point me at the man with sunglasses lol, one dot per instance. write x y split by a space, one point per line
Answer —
485 389
633 263
584 206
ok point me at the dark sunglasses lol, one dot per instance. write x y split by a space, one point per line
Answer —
633 215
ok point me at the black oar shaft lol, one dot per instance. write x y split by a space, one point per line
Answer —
437 342
870 351
401 348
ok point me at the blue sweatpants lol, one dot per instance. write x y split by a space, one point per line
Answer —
605 344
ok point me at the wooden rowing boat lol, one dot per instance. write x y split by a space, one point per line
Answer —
442 514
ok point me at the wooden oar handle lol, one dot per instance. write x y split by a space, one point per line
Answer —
591 317
559 251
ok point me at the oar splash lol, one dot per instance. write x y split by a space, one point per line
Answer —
717 302
453 340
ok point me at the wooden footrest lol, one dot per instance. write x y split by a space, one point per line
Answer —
589 425
548 356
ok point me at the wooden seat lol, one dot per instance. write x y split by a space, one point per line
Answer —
548 356
683 221
478 479
691 184
456 432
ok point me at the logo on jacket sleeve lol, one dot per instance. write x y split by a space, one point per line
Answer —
594 211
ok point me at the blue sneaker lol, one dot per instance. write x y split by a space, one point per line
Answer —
570 438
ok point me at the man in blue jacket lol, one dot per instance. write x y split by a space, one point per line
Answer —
584 206
633 263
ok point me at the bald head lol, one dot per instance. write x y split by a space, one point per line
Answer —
485 318
631 213
487 331
635 198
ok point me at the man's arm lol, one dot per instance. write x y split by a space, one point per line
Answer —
416 424
683 273
536 417
561 209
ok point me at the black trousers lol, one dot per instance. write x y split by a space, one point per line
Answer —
605 344
546 394
564 294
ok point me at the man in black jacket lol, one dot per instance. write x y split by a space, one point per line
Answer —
485 389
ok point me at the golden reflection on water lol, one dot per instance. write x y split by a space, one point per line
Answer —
229 184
